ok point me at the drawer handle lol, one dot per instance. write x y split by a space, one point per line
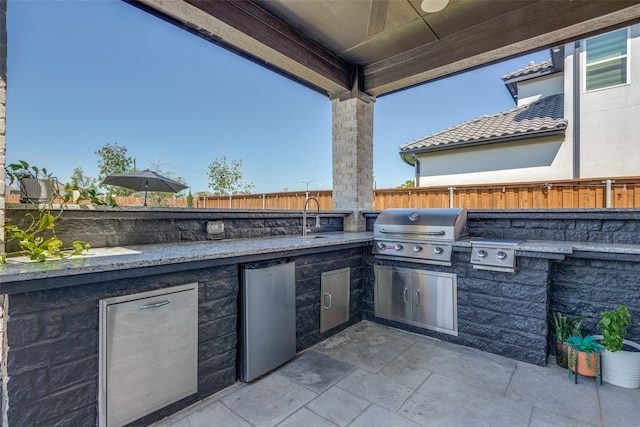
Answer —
418 298
325 299
155 305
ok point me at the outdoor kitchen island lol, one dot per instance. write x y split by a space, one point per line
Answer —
51 310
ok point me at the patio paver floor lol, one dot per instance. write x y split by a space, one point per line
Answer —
372 375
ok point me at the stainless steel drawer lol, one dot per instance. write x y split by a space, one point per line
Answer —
148 352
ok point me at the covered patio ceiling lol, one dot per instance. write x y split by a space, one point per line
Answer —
346 48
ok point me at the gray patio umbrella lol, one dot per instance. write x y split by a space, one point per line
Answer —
144 180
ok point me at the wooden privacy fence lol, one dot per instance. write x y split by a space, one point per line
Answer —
567 194
271 201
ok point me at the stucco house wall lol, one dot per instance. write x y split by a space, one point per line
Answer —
600 141
532 90
610 123
541 158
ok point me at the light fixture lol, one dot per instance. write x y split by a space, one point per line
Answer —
433 6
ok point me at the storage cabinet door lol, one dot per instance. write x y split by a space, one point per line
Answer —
150 354
391 294
335 287
434 301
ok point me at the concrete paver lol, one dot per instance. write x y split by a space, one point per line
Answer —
372 375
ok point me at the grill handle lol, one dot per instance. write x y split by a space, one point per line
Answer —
426 233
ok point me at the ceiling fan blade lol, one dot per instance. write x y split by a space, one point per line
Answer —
377 16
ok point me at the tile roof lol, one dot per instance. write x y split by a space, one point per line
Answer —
532 68
540 117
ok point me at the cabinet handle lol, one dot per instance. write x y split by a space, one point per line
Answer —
418 298
155 305
325 299
405 295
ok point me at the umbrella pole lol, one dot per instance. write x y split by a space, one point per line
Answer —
146 185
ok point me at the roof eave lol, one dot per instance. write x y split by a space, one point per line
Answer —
512 83
406 154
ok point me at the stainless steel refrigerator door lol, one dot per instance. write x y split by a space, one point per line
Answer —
268 317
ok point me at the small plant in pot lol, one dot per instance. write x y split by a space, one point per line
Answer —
584 356
621 358
34 236
36 184
565 328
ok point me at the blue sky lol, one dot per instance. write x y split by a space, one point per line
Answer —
86 73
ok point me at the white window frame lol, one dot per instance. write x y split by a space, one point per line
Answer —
584 62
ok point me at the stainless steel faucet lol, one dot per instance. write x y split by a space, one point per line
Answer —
306 229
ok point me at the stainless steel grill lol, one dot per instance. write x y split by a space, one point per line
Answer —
418 235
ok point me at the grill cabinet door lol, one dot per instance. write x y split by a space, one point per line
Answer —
334 309
433 300
392 293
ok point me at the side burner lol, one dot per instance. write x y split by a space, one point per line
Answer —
494 255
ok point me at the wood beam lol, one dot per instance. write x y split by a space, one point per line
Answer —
537 26
246 29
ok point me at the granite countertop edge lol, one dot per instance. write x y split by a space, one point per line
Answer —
122 258
129 257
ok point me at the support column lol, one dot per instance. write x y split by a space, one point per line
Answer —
353 159
3 161
3 114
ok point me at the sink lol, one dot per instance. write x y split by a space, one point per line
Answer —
313 236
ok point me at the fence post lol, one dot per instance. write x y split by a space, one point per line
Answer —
451 196
230 202
608 193
264 199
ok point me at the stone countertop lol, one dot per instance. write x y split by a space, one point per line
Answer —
111 259
560 247
122 258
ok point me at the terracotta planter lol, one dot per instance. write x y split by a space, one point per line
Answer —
561 354
588 370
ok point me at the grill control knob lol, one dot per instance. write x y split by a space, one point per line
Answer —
501 255
399 248
438 250
482 253
382 246
417 249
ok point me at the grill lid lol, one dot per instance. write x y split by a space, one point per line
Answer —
422 224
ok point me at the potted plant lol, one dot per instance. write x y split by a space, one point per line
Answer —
36 184
621 357
584 356
565 328
35 236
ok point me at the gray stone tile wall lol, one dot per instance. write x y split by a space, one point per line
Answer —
107 228
52 338
619 226
591 286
